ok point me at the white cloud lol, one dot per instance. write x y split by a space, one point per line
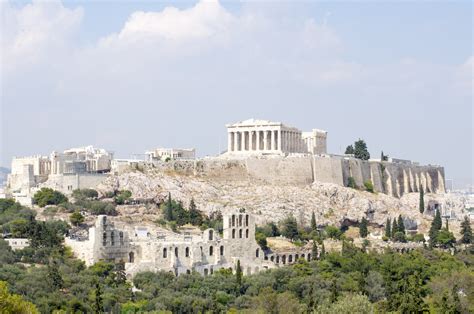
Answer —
36 31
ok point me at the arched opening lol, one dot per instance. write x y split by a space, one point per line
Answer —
188 271
176 252
112 238
131 257
165 253
240 220
240 233
211 235
104 220
309 257
121 238
302 256
247 233
246 220
222 250
296 257
233 220
283 259
233 233
104 238
206 272
211 250
278 259
257 252
212 270
290 258
186 252
272 258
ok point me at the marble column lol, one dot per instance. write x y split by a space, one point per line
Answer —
273 146
229 141
265 140
253 145
242 141
279 139
258 140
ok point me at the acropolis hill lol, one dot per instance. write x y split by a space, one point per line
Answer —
268 168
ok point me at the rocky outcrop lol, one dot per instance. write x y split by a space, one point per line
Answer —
331 203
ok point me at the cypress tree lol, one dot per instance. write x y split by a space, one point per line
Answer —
99 305
436 225
314 227
422 200
169 209
394 227
388 226
238 274
323 252
54 276
314 251
466 231
363 228
401 225
195 216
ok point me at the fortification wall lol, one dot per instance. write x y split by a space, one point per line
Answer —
392 178
66 183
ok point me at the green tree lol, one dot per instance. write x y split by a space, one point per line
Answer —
195 215
238 274
445 238
98 299
369 186
422 200
436 225
383 157
314 251
55 279
349 303
351 183
122 197
388 226
394 227
85 194
314 226
360 150
399 237
76 218
290 228
322 255
401 225
466 231
333 232
12 303
47 196
168 212
363 232
349 150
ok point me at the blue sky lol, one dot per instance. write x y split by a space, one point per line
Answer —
398 74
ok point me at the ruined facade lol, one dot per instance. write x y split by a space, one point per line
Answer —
181 253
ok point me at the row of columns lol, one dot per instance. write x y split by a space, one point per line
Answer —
267 140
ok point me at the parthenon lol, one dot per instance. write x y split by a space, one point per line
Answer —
263 136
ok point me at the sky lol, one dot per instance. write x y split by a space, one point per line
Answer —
130 76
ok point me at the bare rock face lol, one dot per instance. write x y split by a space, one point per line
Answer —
331 203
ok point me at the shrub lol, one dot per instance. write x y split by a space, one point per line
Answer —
385 238
419 237
351 183
333 232
122 197
399 237
76 218
85 193
47 196
369 186
261 240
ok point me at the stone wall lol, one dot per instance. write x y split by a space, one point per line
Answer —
391 178
66 183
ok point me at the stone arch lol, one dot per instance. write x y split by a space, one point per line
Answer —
186 252
221 249
104 238
131 257
309 257
302 256
176 252
278 259
283 259
211 250
188 271
233 220
165 252
206 272
211 235
272 258
290 258
233 233
240 233
257 252
297 257
240 220
247 233
246 220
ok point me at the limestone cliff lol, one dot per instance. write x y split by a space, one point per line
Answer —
332 203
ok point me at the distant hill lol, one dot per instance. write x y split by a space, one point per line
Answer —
3 175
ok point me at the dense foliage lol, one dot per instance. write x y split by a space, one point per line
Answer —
353 281
47 196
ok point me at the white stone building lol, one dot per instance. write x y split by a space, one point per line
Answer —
18 243
266 137
171 153
141 250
